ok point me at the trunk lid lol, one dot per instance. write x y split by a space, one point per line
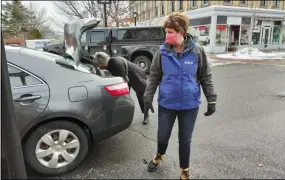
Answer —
73 31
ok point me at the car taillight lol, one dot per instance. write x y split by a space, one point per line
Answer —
117 89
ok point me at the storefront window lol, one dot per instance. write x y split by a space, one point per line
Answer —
221 35
283 35
201 34
244 38
276 34
256 35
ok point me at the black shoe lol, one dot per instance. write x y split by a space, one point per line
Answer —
155 162
146 120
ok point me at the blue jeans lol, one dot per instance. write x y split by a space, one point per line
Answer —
186 123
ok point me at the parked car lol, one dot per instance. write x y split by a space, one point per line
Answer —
137 44
63 107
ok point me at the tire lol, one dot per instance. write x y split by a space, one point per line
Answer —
145 60
78 153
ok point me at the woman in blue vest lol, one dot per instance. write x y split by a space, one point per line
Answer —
180 67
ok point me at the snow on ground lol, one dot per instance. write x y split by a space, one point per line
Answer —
218 63
255 55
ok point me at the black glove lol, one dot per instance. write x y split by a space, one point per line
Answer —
211 109
147 104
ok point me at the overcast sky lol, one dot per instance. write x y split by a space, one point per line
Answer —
50 12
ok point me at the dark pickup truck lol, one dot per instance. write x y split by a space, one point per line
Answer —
137 44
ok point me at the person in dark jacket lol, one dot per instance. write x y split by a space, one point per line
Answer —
134 75
179 67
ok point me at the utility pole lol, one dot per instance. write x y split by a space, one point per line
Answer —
10 137
105 15
104 2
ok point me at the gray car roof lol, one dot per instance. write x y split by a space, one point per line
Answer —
43 64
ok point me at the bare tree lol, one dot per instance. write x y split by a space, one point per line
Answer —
58 22
38 19
70 9
37 16
150 20
116 11
92 8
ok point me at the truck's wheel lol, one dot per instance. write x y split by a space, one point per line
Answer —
143 62
56 147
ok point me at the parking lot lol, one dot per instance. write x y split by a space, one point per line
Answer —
243 139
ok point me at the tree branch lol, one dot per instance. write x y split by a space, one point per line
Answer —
69 8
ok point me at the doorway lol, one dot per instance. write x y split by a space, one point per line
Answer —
266 32
233 39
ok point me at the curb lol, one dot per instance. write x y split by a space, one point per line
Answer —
269 61
242 60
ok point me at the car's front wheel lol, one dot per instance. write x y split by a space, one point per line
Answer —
56 147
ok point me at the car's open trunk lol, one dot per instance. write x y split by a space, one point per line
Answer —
59 49
71 47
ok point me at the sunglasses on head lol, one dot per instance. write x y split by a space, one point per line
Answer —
172 20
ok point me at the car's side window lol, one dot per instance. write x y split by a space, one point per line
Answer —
132 34
156 34
121 34
140 34
19 78
97 37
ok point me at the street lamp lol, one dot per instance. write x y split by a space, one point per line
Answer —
135 16
104 2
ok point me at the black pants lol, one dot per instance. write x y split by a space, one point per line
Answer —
186 123
141 102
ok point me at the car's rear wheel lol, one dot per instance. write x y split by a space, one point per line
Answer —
56 147
143 62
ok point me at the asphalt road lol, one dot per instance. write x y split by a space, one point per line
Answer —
245 138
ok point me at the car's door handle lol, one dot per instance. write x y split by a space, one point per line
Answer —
27 98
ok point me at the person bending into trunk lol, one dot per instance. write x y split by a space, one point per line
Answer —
179 67
134 75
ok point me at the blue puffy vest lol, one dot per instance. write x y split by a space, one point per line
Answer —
179 88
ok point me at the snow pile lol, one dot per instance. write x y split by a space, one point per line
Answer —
217 63
254 54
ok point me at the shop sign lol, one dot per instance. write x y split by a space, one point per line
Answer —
202 28
221 27
268 23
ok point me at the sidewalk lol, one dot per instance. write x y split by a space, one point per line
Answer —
213 58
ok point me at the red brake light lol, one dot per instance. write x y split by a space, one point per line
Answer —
118 89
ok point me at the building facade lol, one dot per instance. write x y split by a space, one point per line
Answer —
221 26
